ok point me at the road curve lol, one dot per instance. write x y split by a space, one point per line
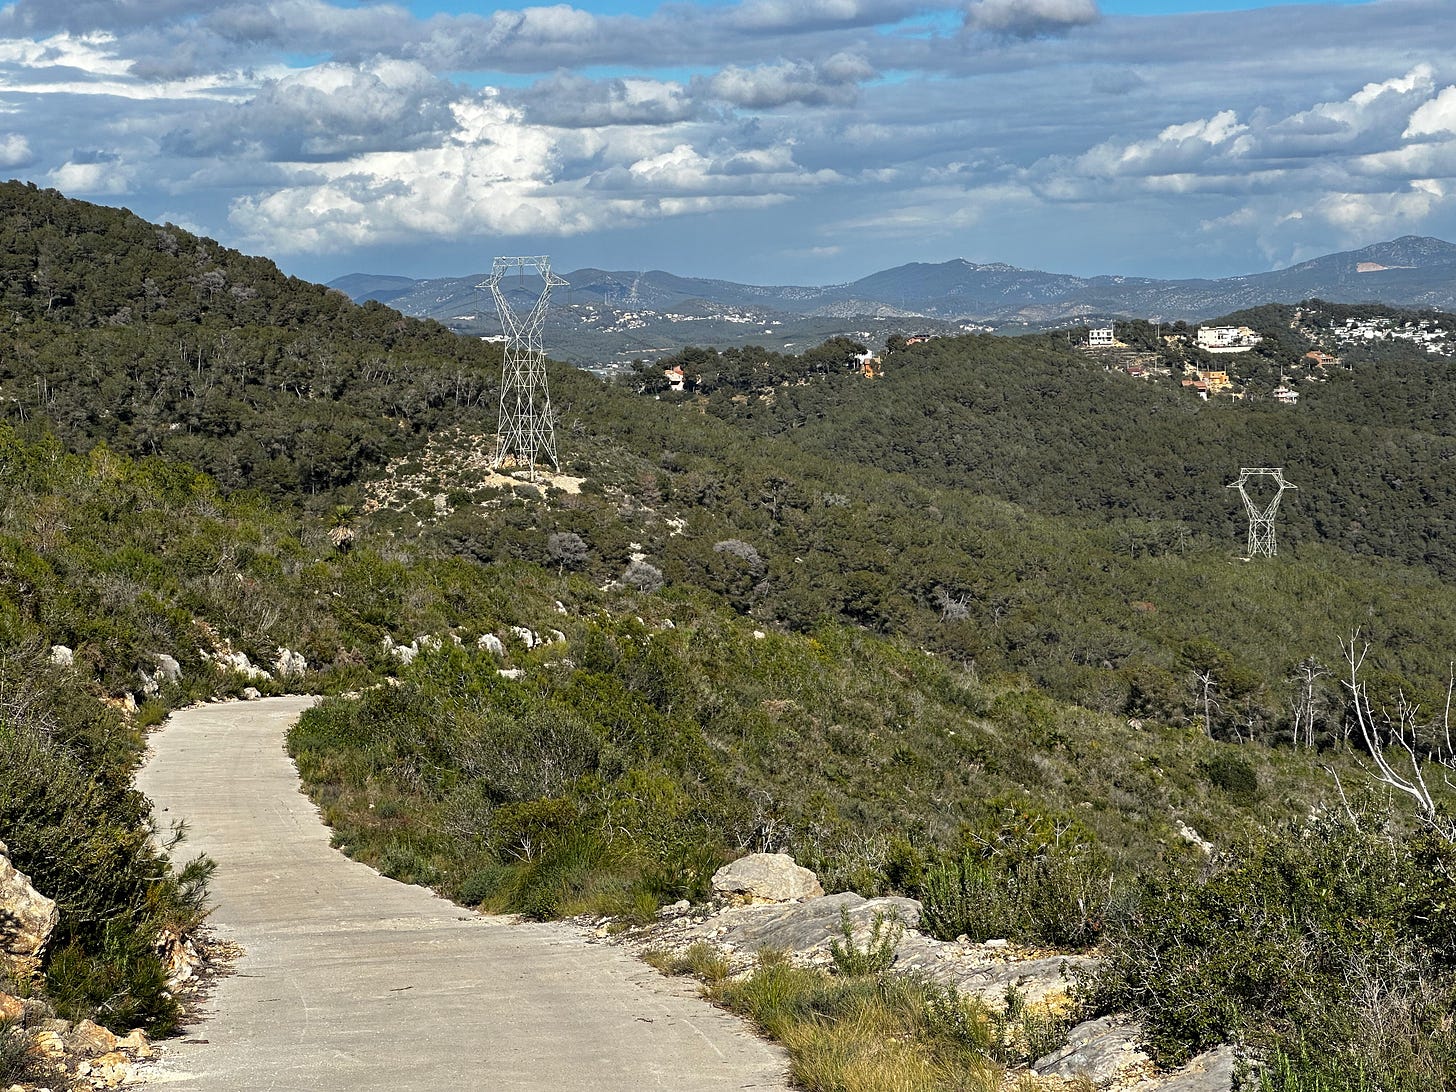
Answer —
351 982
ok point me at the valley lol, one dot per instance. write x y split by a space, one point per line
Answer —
975 630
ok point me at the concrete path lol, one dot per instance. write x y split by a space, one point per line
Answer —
351 982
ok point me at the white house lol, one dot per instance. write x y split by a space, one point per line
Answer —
1227 339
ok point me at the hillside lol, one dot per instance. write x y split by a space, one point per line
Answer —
931 633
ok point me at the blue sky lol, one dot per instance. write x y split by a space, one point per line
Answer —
782 141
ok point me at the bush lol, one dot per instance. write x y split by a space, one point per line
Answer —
1233 774
875 955
1061 900
1327 945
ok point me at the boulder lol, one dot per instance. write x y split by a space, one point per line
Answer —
62 656
766 877
11 1008
136 1044
239 662
90 1039
289 664
168 669
492 644
525 636
251 693
26 920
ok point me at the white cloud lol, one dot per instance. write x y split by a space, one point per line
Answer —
835 80
15 151
1434 117
1028 18
91 179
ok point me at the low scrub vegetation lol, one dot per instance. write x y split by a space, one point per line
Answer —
1326 946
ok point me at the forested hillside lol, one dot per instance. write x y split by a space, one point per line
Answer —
975 631
1052 430
162 343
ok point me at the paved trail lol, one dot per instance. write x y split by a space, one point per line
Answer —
352 982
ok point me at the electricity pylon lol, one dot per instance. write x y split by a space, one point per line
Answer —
527 429
1261 515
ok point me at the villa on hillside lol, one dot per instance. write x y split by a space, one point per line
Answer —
1100 337
1227 339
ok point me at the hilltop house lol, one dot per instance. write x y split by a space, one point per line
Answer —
1227 339
1100 337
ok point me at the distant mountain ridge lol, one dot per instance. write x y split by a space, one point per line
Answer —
1411 271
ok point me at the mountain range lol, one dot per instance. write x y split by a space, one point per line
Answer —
1411 271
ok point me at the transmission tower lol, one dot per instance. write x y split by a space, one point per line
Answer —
1261 514
527 430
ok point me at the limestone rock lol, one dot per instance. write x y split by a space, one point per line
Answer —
62 656
1099 1050
136 1044
49 1044
769 877
239 662
90 1039
1212 1071
405 654
179 956
526 636
289 664
251 693
109 1070
26 920
800 927
168 669
492 644
11 1008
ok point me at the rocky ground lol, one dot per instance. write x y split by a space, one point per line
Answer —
790 918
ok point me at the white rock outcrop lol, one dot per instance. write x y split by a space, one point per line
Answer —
27 919
767 877
289 664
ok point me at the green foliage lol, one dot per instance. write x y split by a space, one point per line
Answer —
1325 944
875 954
1233 774
700 960
1024 876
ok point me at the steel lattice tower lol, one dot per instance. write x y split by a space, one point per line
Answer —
527 429
1261 515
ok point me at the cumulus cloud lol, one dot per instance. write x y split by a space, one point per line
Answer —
1435 117
101 177
1030 18
497 172
572 101
835 80
324 112
15 151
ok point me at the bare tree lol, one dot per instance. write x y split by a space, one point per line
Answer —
1305 676
1398 731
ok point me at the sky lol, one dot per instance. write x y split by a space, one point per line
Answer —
766 141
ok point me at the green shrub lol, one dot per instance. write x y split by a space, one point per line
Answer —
1327 944
1233 774
875 955
1062 900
